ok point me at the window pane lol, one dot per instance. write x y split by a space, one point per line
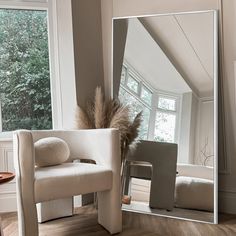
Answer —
24 70
132 84
167 103
136 107
123 75
143 133
146 95
164 127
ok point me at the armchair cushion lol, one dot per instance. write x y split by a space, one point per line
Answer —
70 179
51 151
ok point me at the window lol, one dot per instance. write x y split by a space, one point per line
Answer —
146 95
25 94
123 75
162 115
165 127
129 94
167 104
165 123
132 83
136 106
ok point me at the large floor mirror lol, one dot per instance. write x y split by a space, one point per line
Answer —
166 66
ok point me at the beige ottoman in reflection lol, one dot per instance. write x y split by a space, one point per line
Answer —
194 187
194 193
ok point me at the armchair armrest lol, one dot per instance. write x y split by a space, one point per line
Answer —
24 155
24 163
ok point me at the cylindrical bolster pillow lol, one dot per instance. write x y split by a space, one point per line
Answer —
51 151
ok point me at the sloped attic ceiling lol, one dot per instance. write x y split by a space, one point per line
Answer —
143 53
187 40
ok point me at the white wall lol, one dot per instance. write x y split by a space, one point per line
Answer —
193 129
119 47
196 139
227 183
106 15
7 191
204 148
184 147
87 48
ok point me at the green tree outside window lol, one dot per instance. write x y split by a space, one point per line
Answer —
24 70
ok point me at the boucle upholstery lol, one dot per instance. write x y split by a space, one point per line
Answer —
51 151
52 183
194 187
194 193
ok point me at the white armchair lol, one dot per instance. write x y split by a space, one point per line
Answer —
37 185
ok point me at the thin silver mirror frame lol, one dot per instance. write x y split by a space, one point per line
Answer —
215 14
215 73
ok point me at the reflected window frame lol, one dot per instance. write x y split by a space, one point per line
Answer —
177 112
153 106
130 71
144 87
131 78
125 70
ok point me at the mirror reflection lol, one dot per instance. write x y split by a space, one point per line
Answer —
164 67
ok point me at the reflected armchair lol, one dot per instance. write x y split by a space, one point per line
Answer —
155 161
36 185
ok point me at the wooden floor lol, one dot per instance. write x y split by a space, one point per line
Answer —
140 193
175 213
84 223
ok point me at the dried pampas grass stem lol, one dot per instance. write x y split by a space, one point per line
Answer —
110 114
82 120
99 109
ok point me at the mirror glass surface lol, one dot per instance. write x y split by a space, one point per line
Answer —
164 66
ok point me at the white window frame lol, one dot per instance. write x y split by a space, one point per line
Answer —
154 103
131 70
55 85
146 88
176 112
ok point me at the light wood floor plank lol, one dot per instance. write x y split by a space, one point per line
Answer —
84 223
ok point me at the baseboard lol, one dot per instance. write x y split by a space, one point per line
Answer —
8 202
227 202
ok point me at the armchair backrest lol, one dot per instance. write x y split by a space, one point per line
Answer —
70 137
82 143
93 144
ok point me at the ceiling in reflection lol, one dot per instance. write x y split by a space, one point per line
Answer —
183 58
